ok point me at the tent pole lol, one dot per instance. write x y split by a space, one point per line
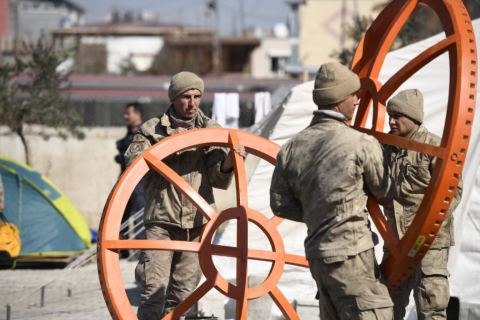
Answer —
42 297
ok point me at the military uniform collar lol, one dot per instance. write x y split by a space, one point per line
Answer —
319 115
165 121
421 130
415 136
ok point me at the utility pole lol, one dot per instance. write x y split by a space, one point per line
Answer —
355 10
344 24
242 17
216 48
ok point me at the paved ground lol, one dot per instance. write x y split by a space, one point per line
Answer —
86 302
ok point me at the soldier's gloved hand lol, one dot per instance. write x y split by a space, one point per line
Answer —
179 130
227 164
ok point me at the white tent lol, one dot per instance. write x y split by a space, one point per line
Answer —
295 113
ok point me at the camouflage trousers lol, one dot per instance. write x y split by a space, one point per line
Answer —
351 287
430 287
167 278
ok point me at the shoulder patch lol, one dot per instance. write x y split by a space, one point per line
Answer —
139 137
136 147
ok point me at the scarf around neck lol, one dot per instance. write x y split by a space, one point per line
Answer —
178 122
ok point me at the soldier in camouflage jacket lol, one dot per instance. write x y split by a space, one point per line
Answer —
169 215
322 178
412 171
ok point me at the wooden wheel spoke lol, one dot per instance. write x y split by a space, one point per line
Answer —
386 231
239 168
190 301
242 266
225 251
283 304
405 143
170 245
362 110
295 260
375 44
275 221
205 209
262 255
414 66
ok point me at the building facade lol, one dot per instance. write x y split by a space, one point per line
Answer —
26 20
322 27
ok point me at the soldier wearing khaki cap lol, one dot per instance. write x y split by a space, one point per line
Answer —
168 214
412 171
322 178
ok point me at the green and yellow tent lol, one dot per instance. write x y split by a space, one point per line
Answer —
49 224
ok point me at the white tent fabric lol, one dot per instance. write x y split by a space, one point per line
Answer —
219 108
263 105
226 109
432 81
233 110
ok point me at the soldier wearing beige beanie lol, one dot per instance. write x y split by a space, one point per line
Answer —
167 215
335 89
412 171
182 82
322 178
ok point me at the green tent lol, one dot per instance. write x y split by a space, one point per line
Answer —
49 224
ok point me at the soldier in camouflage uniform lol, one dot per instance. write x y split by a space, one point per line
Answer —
168 278
322 178
412 171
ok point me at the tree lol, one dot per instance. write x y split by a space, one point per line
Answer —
422 23
355 32
33 92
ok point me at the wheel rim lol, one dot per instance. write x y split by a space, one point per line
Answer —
109 242
367 63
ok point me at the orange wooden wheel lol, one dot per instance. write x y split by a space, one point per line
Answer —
109 242
451 154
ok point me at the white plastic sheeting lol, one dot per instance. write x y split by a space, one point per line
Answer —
263 105
226 109
432 81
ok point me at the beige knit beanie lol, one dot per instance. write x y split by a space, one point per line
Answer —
334 83
184 81
408 103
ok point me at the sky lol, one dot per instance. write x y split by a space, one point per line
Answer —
263 13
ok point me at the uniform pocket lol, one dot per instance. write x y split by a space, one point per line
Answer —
434 293
141 269
435 263
330 260
417 177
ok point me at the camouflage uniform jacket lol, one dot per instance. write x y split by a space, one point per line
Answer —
200 167
322 178
412 171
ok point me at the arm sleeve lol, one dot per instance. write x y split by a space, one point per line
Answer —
282 200
139 144
376 173
456 198
214 160
458 193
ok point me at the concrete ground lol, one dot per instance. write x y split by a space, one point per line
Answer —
86 301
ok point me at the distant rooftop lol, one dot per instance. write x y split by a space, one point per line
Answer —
68 2
133 28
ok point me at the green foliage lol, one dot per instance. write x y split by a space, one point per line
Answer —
355 33
33 92
423 23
